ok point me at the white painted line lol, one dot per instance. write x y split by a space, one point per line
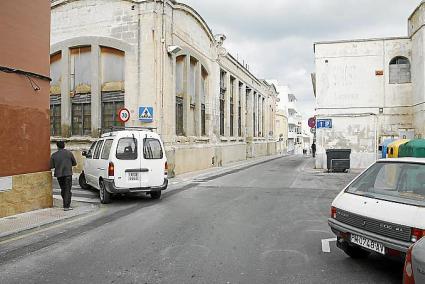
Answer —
325 244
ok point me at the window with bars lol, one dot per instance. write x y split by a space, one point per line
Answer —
81 115
400 70
55 116
232 105
204 78
240 111
179 116
111 105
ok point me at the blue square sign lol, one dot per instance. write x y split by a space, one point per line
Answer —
324 123
146 114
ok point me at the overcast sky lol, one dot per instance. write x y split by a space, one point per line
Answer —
275 37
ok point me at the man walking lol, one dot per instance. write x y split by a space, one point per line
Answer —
63 161
313 149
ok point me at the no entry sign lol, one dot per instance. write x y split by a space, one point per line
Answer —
312 122
124 115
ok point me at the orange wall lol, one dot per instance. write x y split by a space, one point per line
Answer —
24 113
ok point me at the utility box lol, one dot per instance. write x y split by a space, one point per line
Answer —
338 160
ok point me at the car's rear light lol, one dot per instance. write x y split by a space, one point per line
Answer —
111 169
333 212
166 169
408 277
417 234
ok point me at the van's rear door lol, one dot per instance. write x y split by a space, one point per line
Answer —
153 161
127 161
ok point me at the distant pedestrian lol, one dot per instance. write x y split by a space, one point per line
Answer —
63 161
313 149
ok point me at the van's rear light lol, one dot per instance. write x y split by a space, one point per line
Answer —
111 169
408 277
166 168
333 212
417 234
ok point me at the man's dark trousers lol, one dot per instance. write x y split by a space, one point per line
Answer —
65 184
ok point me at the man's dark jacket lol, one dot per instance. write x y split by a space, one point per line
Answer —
62 161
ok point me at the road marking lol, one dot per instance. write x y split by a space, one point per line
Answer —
325 244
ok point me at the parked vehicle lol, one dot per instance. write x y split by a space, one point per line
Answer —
382 210
414 266
127 161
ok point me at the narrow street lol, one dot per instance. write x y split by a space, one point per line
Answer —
262 224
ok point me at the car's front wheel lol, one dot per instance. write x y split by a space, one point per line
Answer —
83 182
105 196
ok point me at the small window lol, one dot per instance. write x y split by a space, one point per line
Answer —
127 149
98 148
152 149
91 151
106 149
400 70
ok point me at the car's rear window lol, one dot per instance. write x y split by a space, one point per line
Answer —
127 149
152 149
398 182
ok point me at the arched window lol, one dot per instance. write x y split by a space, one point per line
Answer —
113 78
400 70
180 93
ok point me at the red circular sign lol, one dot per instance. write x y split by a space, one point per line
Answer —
124 115
312 122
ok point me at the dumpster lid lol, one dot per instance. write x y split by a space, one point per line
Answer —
338 150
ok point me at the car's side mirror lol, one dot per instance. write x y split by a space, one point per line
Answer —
84 153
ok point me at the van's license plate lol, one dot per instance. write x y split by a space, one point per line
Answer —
367 243
133 176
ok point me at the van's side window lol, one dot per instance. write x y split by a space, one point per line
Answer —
91 150
97 150
152 149
127 149
106 149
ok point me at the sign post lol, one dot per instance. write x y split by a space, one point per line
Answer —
146 114
124 115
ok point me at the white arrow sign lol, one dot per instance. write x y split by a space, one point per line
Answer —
325 244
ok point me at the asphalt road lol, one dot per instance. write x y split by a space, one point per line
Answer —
263 224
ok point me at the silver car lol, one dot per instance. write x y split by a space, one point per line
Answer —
414 267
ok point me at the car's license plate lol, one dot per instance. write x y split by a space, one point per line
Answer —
133 176
367 243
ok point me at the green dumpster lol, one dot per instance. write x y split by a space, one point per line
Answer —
413 148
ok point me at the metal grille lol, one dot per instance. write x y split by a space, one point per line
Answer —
222 117
391 230
55 115
81 114
179 116
203 117
112 102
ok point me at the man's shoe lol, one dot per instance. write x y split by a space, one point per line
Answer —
68 209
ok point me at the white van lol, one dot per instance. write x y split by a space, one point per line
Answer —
126 161
382 210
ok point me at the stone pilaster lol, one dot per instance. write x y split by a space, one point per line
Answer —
65 98
96 90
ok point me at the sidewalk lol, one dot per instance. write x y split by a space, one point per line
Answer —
14 225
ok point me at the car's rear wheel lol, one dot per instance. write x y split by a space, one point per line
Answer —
356 252
156 194
105 196
82 181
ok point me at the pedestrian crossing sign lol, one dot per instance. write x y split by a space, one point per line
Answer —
146 114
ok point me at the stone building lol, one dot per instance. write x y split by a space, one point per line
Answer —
371 89
25 177
208 107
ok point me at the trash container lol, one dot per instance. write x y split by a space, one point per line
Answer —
338 159
393 147
414 148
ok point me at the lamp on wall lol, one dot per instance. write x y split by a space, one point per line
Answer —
173 49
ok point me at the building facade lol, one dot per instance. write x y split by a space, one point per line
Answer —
282 131
25 177
370 89
159 56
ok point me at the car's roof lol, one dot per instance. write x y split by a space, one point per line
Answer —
128 132
403 160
